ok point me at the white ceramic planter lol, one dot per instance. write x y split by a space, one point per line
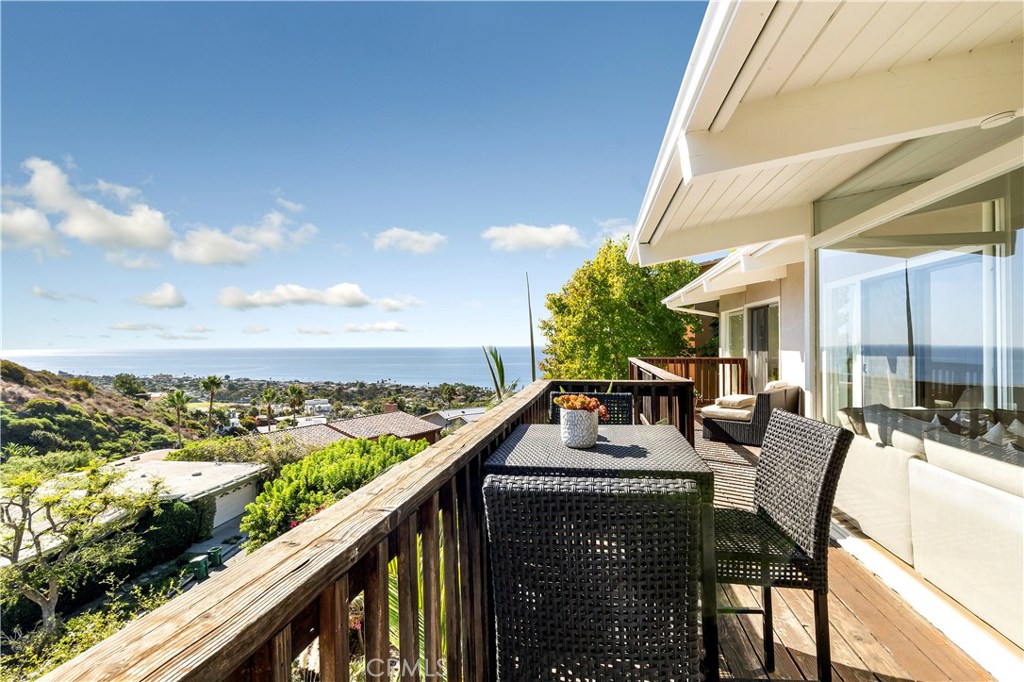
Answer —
579 428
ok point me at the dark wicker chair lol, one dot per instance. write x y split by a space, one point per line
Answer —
783 541
594 578
752 432
620 406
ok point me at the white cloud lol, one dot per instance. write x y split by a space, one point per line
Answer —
136 326
198 329
124 194
69 162
23 227
47 294
614 229
292 206
164 296
142 227
521 237
182 337
313 331
83 297
242 244
207 246
408 240
399 303
376 327
256 329
130 261
344 295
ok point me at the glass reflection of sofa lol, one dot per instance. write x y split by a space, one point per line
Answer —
943 490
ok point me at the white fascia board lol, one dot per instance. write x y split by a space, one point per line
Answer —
868 111
997 162
682 298
713 62
729 234
692 311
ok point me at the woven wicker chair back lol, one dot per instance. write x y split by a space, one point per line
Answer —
620 406
594 578
797 475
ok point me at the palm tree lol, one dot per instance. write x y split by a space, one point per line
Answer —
178 401
211 385
269 398
296 396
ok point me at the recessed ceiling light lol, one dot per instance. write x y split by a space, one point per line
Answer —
998 120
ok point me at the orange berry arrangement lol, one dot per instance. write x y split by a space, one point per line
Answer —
582 402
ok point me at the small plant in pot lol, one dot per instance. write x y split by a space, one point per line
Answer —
579 416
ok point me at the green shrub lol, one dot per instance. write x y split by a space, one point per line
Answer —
275 454
81 386
322 478
205 509
167 534
12 371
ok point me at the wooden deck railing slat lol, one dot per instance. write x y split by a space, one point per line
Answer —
334 647
376 612
408 601
281 656
430 558
452 584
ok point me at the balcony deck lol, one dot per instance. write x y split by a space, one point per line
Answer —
876 636
252 622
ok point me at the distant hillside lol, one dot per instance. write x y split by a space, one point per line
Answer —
41 410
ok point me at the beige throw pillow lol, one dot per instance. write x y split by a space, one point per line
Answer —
737 400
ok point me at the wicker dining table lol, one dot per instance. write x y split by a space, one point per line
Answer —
625 452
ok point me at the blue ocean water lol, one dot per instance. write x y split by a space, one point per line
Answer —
410 366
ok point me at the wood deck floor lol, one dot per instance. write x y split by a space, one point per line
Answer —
876 636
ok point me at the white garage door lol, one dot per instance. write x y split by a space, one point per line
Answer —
230 505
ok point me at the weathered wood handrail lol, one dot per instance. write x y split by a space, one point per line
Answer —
713 377
251 623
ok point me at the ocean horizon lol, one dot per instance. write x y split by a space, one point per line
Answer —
409 366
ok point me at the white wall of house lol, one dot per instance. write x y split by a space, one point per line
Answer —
232 503
789 293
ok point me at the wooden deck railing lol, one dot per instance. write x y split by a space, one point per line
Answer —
253 621
712 377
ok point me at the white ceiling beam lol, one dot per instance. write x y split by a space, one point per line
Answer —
730 280
943 240
690 298
729 234
691 311
863 112
774 254
997 162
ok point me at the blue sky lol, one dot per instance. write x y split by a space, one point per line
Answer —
191 175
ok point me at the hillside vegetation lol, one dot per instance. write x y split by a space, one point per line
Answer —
49 413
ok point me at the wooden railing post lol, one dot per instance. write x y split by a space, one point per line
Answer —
430 557
408 602
281 655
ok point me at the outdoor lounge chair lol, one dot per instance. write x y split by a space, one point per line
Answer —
620 406
783 540
747 427
594 578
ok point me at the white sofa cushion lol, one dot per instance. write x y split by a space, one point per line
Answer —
969 542
1016 428
874 491
980 461
778 383
729 413
736 400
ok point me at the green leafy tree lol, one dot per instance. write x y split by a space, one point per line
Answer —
128 385
296 396
324 477
59 529
447 393
210 385
610 310
177 401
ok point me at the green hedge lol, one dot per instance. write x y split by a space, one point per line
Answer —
322 478
205 510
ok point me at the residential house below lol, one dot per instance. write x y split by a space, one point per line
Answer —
395 423
318 406
231 485
313 435
454 418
